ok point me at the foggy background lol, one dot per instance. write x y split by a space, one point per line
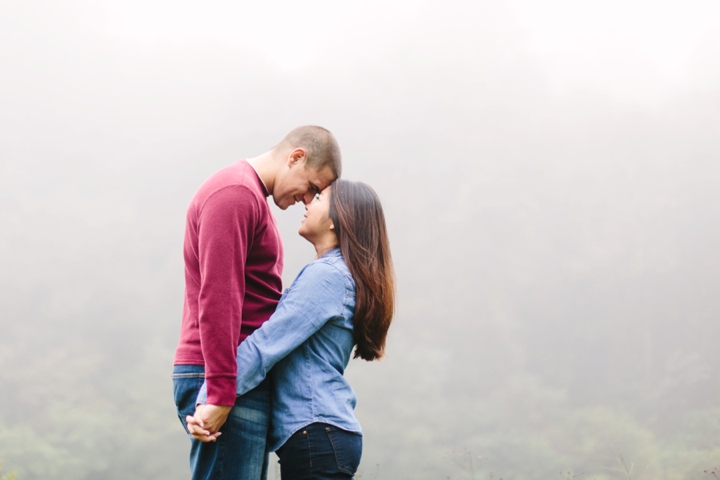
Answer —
549 172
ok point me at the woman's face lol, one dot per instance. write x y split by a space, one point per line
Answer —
317 223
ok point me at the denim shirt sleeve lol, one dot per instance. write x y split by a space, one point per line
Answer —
317 295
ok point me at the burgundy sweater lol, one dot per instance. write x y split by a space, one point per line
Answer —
233 267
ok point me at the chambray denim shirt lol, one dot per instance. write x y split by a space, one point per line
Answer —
308 341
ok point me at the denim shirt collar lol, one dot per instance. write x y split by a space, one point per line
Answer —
335 252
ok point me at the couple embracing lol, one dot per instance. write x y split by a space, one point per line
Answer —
258 370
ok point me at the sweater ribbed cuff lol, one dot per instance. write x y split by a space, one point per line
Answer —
221 390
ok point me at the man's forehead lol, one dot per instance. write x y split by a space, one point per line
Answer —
321 178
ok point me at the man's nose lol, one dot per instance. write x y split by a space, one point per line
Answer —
307 198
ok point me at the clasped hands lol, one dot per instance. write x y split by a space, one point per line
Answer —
205 424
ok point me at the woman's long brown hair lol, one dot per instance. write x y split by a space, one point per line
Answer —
359 222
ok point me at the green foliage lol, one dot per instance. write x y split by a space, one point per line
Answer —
89 421
605 445
6 476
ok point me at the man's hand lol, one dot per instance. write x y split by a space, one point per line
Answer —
206 422
195 428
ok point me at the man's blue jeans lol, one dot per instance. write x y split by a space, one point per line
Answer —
240 452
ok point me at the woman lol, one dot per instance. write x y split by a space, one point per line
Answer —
343 299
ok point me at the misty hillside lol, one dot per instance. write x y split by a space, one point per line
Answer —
552 201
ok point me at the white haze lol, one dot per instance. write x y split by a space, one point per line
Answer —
549 172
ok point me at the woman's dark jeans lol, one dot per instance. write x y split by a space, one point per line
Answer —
320 451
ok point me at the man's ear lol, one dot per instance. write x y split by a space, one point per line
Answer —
297 156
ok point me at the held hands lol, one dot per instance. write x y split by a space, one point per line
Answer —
206 422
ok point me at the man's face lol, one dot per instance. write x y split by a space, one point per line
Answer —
300 184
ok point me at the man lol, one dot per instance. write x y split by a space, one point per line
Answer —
233 266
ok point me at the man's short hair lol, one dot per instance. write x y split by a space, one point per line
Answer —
321 148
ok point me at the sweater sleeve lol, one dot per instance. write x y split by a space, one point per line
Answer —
226 228
316 296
